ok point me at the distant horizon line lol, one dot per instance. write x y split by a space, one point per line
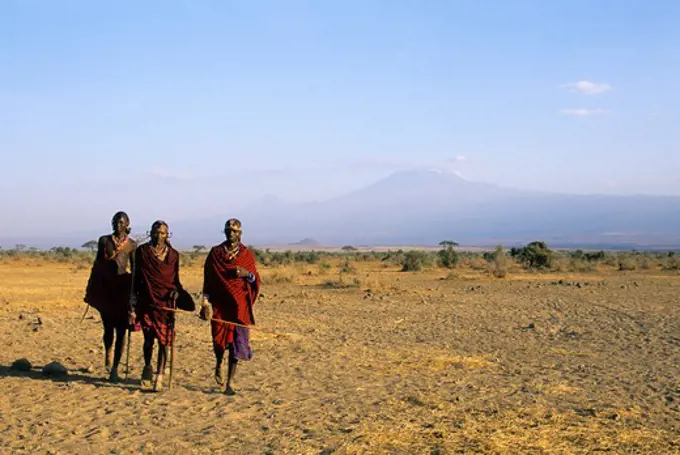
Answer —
479 247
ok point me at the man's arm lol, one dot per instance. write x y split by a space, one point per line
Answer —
205 312
101 248
132 258
132 301
252 276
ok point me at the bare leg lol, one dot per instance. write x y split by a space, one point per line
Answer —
147 373
108 343
231 372
162 358
219 356
118 353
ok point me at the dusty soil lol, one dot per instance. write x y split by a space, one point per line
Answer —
402 363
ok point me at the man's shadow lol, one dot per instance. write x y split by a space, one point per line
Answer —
73 376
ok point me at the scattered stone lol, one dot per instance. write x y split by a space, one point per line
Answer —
308 433
414 401
88 369
577 284
22 365
54 369
586 412
21 316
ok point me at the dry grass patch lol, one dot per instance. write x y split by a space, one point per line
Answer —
405 363
564 389
570 353
443 362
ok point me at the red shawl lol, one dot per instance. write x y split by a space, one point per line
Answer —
154 282
232 298
108 291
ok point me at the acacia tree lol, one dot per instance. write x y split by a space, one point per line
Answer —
197 250
90 245
448 256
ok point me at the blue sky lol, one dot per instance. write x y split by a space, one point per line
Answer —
199 107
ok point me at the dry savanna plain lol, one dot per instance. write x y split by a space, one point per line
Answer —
358 356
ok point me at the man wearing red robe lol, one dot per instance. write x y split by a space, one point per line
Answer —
231 285
156 287
108 288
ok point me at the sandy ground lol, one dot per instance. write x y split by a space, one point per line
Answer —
403 363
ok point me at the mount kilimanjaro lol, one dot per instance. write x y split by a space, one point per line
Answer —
425 207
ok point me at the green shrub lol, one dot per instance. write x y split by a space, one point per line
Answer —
414 261
536 255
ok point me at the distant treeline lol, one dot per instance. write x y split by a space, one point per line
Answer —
533 256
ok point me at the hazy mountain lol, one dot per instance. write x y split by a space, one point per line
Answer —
425 207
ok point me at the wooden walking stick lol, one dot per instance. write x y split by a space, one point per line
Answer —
87 308
127 359
172 346
172 359
132 302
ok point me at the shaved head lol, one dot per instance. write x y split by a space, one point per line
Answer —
120 223
232 231
232 223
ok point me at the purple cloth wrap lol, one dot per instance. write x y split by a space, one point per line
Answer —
242 349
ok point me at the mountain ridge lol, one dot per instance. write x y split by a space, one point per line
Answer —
422 207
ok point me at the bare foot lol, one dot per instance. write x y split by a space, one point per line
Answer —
229 391
219 378
147 376
107 362
158 385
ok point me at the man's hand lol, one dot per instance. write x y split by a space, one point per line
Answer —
132 318
173 295
242 273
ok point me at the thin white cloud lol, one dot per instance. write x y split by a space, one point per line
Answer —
166 174
587 87
457 159
583 112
